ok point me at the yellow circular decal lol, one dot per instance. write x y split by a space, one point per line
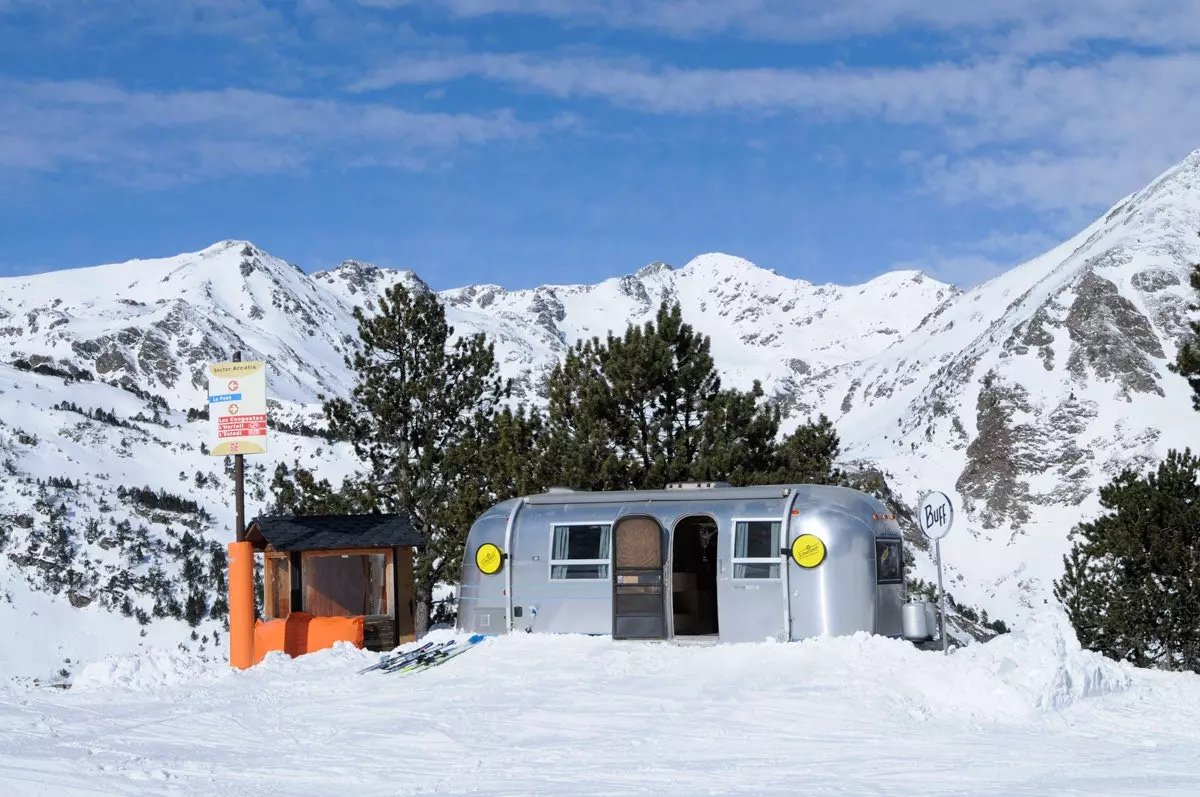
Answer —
808 551
488 558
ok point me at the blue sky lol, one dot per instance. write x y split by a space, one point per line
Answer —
531 141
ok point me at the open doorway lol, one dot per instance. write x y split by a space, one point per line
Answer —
694 576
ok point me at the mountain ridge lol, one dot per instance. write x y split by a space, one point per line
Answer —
1018 397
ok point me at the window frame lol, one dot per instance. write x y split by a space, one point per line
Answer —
389 576
606 561
273 562
735 560
899 545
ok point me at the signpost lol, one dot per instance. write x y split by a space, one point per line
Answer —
935 516
237 412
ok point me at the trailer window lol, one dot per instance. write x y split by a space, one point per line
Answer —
580 551
756 549
889 567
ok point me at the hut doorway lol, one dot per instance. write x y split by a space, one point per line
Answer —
639 602
694 576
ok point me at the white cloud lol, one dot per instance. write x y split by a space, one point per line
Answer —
1013 133
162 136
896 95
1029 25
1002 124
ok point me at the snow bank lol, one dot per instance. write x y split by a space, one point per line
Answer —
1039 669
160 668
156 668
1046 665
339 659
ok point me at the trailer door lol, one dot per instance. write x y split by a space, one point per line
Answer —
639 601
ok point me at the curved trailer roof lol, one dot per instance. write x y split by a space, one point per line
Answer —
558 495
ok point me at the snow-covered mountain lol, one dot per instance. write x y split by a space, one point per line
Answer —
1018 398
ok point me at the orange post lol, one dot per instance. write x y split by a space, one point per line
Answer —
241 604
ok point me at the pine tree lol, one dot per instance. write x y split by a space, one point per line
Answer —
1131 584
417 415
738 442
580 446
647 408
659 380
809 454
1187 360
516 462
297 491
195 608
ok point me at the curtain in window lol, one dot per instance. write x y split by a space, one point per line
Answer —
756 544
580 552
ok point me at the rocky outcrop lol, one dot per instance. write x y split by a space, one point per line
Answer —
1112 338
993 473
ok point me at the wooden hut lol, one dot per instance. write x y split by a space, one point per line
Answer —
340 566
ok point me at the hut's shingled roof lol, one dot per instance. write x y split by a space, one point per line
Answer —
327 532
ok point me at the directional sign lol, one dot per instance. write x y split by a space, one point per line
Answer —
935 515
237 401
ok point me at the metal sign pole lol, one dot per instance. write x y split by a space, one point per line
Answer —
935 517
937 547
239 484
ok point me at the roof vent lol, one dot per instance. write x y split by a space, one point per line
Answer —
560 489
697 485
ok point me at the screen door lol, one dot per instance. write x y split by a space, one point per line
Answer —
639 608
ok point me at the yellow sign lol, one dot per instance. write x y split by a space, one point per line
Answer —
488 559
808 551
237 407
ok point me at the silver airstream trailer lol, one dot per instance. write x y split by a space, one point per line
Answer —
734 564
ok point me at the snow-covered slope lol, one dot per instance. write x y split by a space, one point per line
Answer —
1026 713
1018 398
1022 396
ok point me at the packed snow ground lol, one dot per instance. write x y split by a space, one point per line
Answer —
1028 713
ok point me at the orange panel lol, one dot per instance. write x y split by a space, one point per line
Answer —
268 636
240 556
323 632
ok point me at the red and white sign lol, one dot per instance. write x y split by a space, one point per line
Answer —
242 426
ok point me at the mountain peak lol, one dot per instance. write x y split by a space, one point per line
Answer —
221 247
356 280
650 269
721 262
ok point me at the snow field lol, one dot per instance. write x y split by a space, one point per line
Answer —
1029 713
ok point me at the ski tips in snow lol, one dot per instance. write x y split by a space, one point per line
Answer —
430 654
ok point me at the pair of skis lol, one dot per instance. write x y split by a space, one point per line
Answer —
436 656
422 658
387 659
